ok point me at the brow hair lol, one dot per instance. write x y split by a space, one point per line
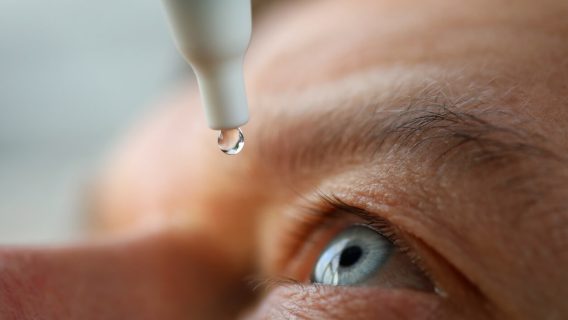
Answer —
432 118
419 128
428 126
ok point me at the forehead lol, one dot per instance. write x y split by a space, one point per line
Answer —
318 49
330 38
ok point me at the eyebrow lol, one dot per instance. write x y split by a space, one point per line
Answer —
444 129
467 132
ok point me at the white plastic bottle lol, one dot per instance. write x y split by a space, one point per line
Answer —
213 36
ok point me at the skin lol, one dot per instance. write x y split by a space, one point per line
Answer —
342 95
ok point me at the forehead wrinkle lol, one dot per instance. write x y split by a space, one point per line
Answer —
302 129
427 124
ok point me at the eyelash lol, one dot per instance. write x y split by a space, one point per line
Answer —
323 212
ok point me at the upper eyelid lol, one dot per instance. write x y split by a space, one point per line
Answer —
381 225
325 210
340 206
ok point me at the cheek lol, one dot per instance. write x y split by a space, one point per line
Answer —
310 302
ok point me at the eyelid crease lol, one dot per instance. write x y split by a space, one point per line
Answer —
382 226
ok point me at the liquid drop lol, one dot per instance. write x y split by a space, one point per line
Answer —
231 141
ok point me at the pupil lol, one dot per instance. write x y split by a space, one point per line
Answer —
350 256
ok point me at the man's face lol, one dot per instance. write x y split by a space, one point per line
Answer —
407 156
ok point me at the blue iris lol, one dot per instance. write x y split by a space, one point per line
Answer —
352 257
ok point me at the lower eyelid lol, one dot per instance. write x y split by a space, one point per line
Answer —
327 302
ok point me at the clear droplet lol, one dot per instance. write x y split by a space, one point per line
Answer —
231 141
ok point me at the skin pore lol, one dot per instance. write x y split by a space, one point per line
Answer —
444 121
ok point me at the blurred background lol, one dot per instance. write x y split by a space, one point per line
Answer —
73 75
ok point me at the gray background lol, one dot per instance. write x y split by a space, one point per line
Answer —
73 75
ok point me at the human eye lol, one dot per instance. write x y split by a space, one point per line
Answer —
341 245
352 257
